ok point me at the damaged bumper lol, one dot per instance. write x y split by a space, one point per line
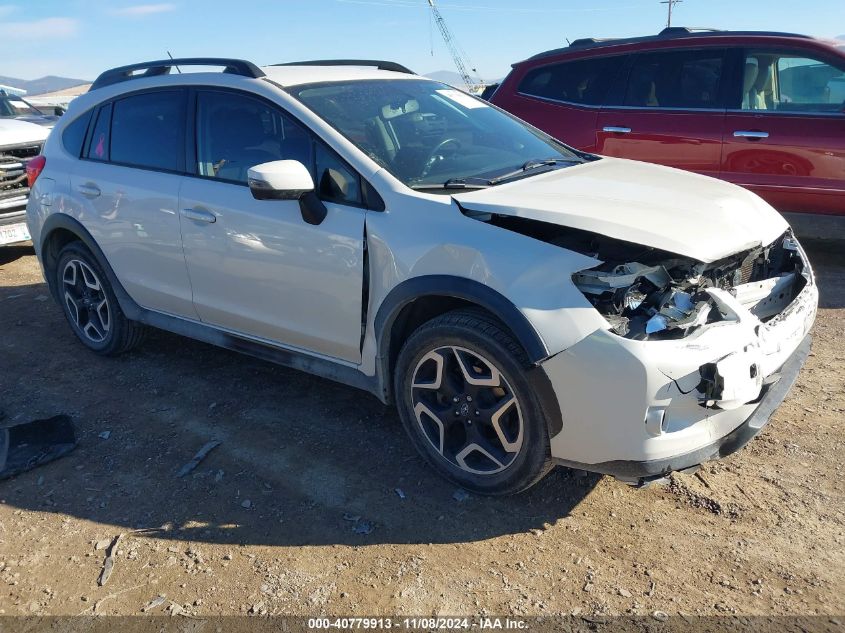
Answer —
639 409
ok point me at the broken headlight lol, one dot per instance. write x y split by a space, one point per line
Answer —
668 298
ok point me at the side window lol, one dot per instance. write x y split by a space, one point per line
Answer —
98 145
236 132
583 81
676 79
148 130
791 82
336 182
74 135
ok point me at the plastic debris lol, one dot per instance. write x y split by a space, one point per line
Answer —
201 455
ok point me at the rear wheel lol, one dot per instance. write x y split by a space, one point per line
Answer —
90 305
464 399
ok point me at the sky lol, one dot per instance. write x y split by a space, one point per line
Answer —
81 38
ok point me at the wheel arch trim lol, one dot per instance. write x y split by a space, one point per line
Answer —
62 221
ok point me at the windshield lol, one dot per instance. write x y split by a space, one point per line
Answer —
429 135
15 106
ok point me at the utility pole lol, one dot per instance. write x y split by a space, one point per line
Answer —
671 3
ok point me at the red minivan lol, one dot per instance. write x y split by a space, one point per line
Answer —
759 109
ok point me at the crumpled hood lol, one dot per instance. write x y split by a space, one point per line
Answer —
15 132
676 211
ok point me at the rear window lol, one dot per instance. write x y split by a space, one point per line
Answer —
676 79
74 135
148 130
583 81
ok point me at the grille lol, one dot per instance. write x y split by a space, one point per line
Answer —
26 151
12 173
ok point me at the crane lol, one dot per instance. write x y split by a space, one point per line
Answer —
454 50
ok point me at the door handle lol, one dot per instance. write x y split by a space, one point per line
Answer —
751 134
200 215
617 129
89 190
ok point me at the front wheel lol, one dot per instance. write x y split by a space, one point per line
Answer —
464 399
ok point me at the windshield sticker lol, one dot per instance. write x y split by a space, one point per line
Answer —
461 98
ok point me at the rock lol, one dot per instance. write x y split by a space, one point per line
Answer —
351 517
460 495
104 435
227 556
102 544
246 504
254 609
623 592
218 477
399 492
660 616
155 602
363 527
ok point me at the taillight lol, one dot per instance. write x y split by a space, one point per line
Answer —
34 169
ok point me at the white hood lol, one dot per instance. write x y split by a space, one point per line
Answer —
676 211
15 132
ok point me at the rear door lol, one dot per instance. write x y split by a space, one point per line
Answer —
785 135
669 111
256 267
128 186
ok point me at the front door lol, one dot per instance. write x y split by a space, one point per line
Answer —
671 111
255 266
786 139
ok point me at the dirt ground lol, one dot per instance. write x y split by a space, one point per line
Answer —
315 502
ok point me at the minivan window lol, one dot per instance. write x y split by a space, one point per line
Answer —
676 79
584 81
791 82
236 132
74 135
98 145
148 130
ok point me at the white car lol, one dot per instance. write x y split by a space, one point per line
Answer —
523 304
20 142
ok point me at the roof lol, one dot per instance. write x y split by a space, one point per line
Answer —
667 34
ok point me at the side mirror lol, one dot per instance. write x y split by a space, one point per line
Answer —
287 180
59 110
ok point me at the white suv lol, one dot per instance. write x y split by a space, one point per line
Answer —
523 304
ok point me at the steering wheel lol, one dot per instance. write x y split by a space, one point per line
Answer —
431 160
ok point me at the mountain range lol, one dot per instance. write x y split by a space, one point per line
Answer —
50 83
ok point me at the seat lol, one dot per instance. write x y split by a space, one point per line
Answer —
748 79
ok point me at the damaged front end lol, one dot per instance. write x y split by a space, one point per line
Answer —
663 296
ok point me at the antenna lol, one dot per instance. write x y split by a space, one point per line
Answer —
171 57
671 3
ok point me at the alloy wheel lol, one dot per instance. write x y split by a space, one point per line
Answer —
86 301
467 410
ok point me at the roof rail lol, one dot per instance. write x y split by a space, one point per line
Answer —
163 66
588 41
686 30
376 63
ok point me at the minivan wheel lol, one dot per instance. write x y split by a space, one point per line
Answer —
90 305
464 399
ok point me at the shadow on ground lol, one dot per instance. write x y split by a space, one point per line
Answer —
302 460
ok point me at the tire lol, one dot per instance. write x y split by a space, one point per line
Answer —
90 305
463 396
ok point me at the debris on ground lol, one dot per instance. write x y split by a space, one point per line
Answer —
201 455
154 603
108 564
460 495
399 492
104 435
25 446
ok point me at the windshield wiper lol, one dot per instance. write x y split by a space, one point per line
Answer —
534 163
456 183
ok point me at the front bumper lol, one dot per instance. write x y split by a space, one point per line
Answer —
773 394
641 409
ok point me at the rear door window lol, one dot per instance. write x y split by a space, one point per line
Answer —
581 81
148 130
74 135
676 79
791 82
